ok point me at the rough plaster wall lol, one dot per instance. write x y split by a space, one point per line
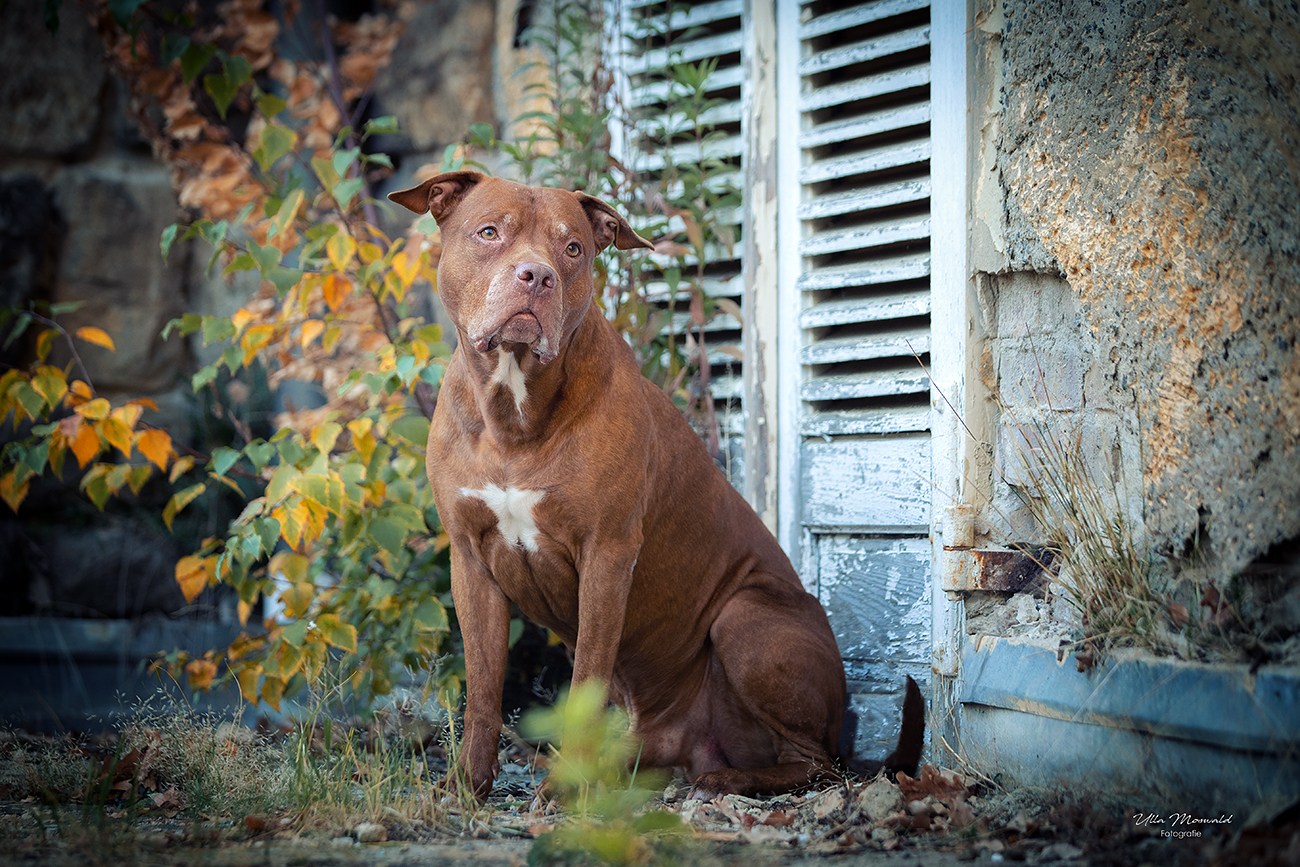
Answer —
1148 152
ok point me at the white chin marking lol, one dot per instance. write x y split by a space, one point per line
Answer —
514 511
509 375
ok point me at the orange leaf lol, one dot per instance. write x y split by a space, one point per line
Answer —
311 329
147 402
201 673
192 576
335 289
156 446
97 336
13 491
87 445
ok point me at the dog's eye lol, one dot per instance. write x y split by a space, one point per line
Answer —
574 249
488 233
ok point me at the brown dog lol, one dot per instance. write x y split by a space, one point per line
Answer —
571 486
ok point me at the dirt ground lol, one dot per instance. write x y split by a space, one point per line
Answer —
942 818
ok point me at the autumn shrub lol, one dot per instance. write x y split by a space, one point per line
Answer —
336 528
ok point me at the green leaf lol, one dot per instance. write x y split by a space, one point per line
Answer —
123 10
343 160
217 329
414 429
168 237
284 279
431 615
344 191
260 453
270 105
173 46
336 632
224 87
288 210
223 459
388 534
381 125
275 142
295 633
203 377
267 257
268 530
193 59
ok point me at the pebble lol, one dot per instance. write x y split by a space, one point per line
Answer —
370 832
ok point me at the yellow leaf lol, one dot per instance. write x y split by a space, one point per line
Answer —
79 393
182 466
180 500
241 318
340 248
156 446
407 267
45 343
297 599
192 576
50 383
370 252
94 409
243 609
247 680
115 433
128 414
290 659
311 329
146 402
337 633
12 490
272 690
97 336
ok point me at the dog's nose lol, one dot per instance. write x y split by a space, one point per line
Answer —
535 276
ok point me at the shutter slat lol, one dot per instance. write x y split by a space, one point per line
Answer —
891 270
856 348
857 16
870 309
866 236
876 159
877 383
868 87
870 198
861 52
875 123
885 420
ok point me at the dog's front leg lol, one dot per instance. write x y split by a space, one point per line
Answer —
484 615
604 580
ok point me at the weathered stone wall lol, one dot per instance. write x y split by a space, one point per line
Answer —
1142 156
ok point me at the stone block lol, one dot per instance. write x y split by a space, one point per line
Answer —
115 210
51 85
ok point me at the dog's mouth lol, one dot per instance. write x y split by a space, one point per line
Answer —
523 327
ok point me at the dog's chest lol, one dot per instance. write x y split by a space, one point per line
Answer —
515 510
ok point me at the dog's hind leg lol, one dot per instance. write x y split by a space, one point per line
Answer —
778 723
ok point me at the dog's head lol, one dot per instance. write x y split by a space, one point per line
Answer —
516 261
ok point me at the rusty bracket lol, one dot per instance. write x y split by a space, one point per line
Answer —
999 570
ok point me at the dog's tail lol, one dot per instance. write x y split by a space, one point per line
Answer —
906 757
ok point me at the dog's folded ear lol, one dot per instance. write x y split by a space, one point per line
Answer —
609 227
438 195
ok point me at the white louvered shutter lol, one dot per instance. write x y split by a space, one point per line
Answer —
856 89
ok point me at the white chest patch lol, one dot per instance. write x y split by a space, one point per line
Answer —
509 374
514 511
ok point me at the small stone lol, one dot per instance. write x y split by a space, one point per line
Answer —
880 800
343 841
370 832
